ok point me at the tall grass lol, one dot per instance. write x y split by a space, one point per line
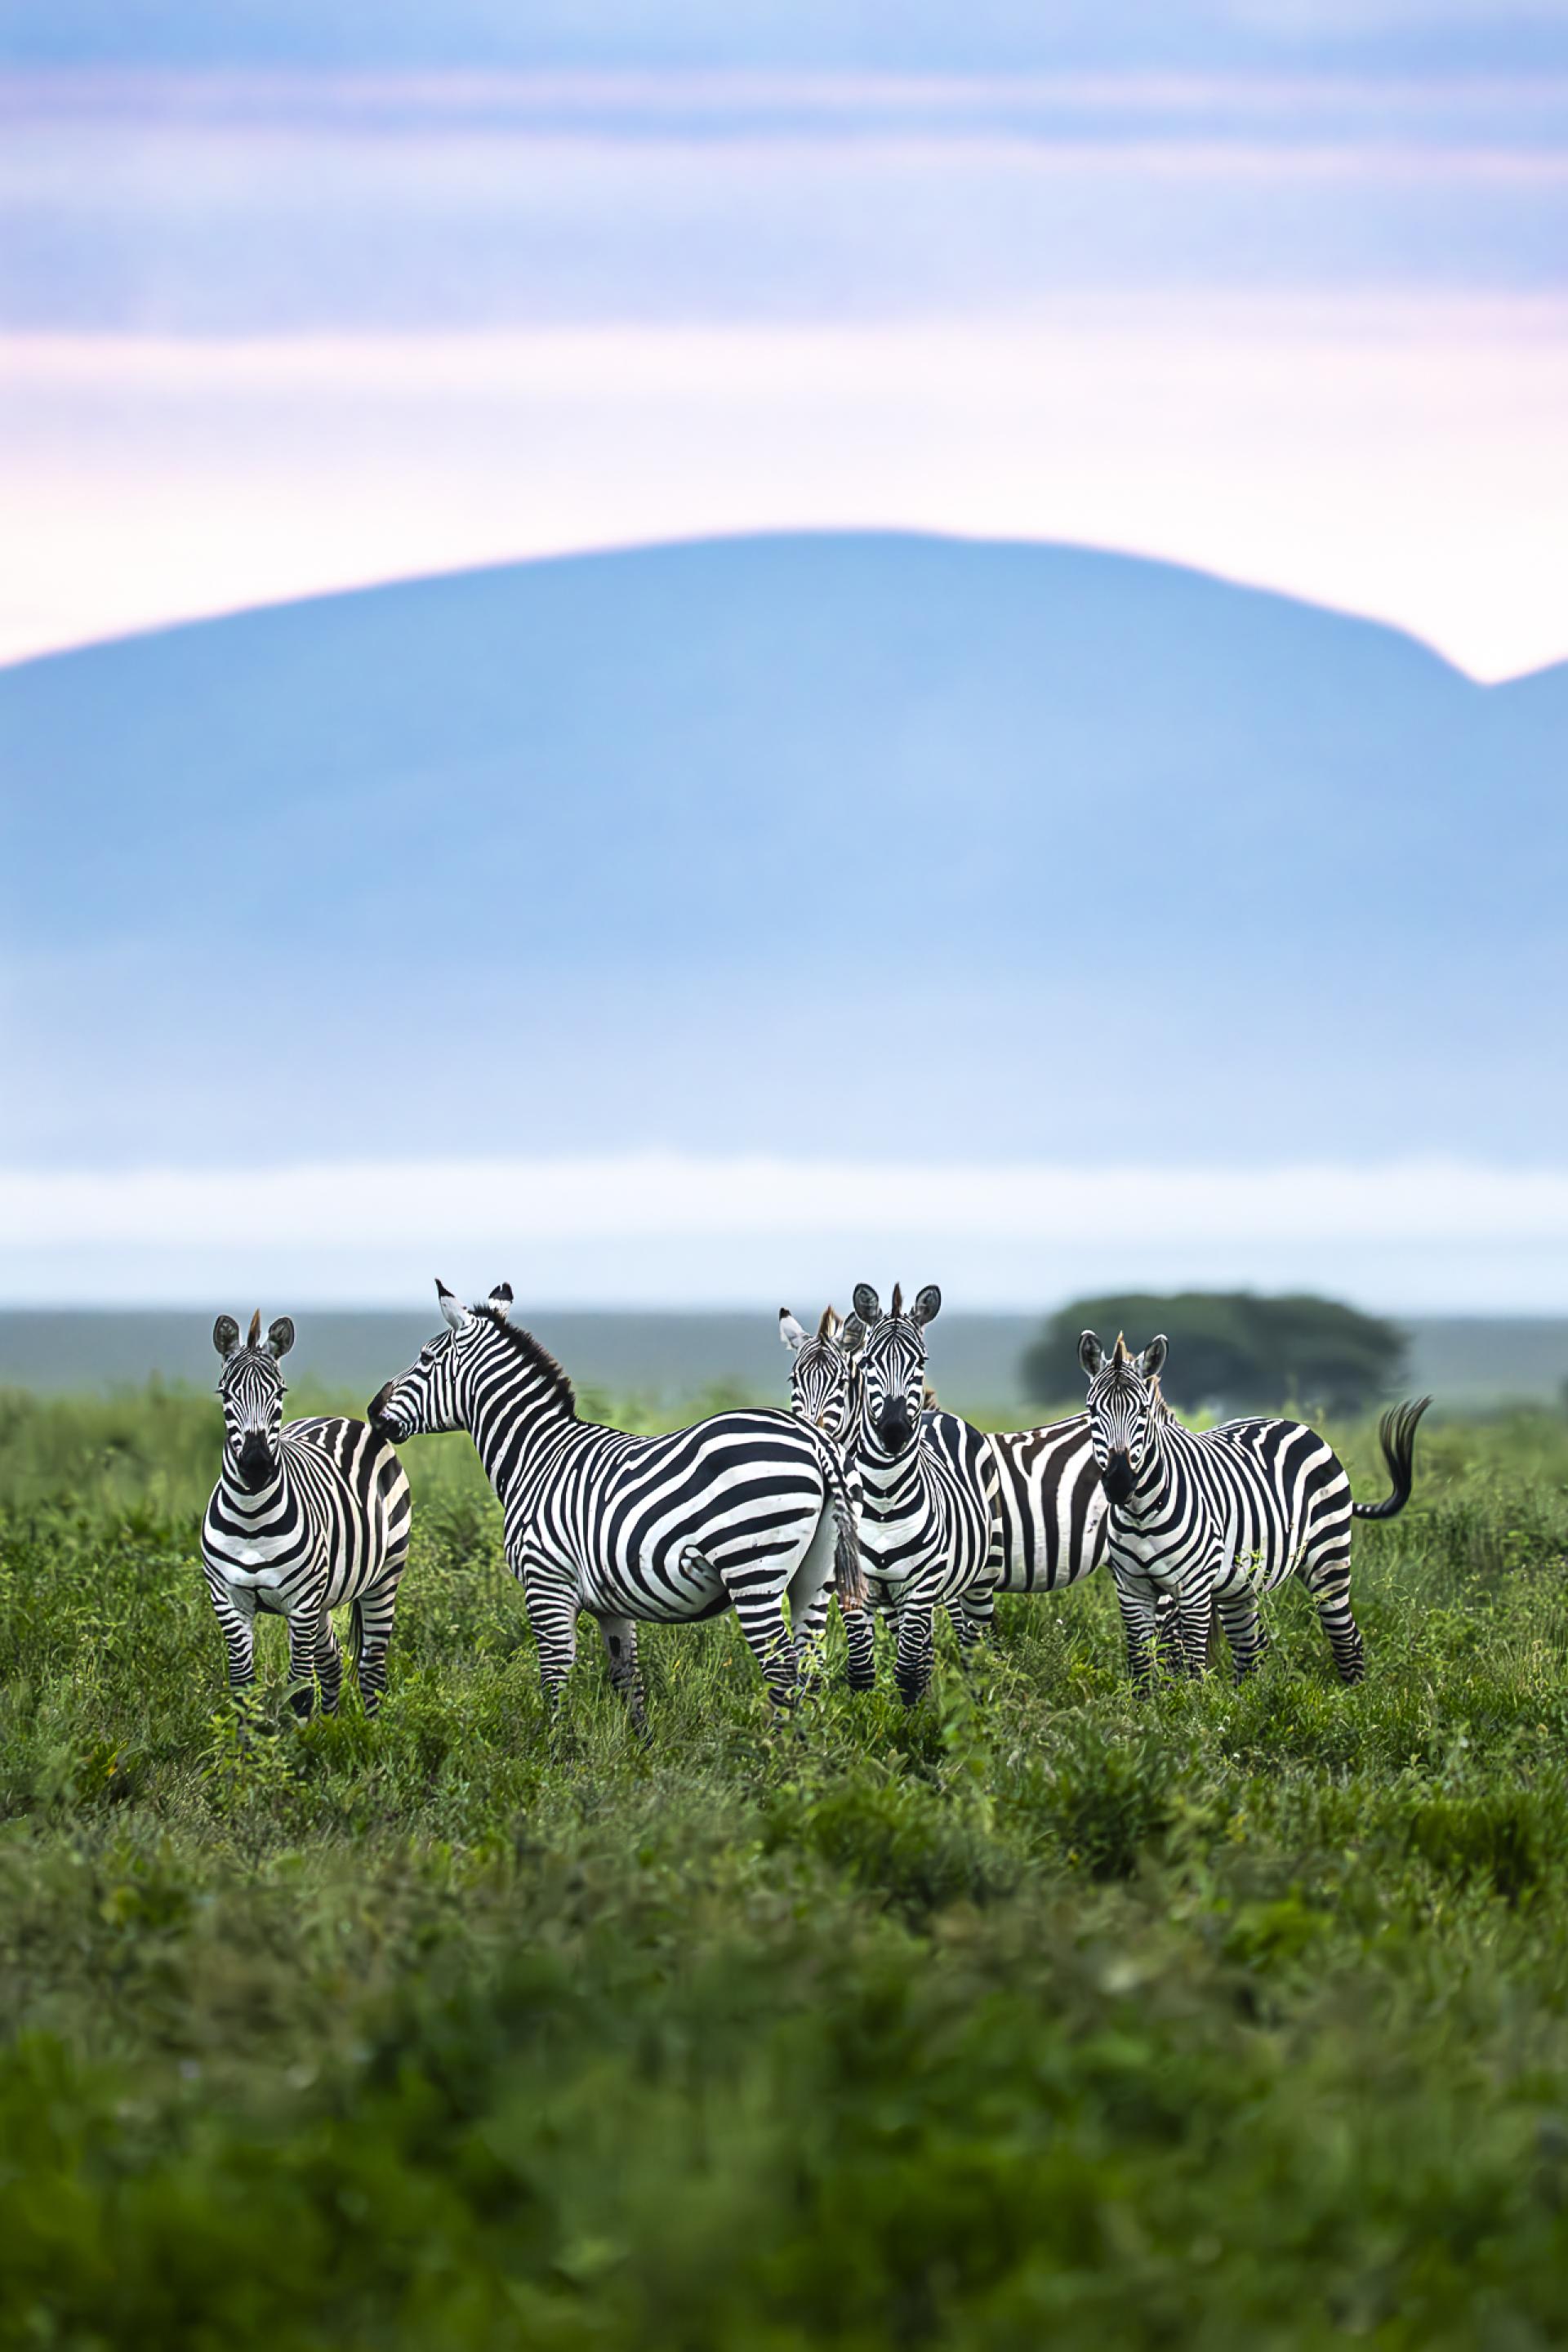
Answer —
1034 2014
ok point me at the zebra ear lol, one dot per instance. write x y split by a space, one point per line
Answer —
792 1333
500 1297
452 1310
866 1304
853 1334
927 1306
280 1335
1090 1354
225 1336
1153 1356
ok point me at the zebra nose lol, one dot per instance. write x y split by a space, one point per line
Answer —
896 1426
1117 1476
255 1457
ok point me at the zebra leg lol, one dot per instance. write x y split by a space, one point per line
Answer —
303 1629
973 1619
233 1606
914 1651
1243 1629
808 1637
329 1664
553 1606
1140 1622
372 1616
1169 1649
809 1593
1195 1623
1327 1580
860 1637
620 1639
767 1638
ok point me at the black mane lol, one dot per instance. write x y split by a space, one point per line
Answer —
537 1356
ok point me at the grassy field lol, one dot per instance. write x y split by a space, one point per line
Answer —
1031 2016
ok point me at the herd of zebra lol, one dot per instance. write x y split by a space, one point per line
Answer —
867 1492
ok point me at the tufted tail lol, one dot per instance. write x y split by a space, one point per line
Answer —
1396 1430
847 1581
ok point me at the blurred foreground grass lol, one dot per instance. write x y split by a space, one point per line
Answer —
1033 2015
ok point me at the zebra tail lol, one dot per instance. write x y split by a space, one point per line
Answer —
1396 1432
847 1580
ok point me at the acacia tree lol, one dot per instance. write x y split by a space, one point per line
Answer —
1231 1350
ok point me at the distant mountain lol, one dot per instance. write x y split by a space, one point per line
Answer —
890 846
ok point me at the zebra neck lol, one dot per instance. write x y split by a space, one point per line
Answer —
259 1504
893 1484
513 1412
1149 1492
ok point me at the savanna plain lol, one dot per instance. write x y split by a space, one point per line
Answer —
1032 2015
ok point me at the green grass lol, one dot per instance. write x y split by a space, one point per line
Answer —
1032 2016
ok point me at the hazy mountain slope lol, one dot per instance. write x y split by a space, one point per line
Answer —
919 843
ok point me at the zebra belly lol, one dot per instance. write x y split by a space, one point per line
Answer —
661 1592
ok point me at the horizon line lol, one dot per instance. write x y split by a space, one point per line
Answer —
591 550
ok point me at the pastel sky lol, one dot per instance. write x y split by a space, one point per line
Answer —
267 328
297 296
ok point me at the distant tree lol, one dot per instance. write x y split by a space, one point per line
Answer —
1232 1350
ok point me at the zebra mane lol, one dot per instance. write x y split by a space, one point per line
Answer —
533 1352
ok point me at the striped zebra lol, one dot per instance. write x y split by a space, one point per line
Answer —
747 1510
306 1514
822 1376
1049 1506
926 1480
824 1391
1223 1515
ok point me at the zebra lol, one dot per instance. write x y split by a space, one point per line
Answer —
1226 1514
822 1376
1049 1506
745 1511
824 1391
926 1481
306 1514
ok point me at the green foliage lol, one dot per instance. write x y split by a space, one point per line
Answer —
1036 2015
1232 1349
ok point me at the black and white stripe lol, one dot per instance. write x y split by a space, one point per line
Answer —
925 1486
1224 1514
305 1514
1049 1511
747 1510
1049 1506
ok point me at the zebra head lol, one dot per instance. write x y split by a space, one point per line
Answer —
252 1390
1125 1408
822 1379
431 1394
892 1363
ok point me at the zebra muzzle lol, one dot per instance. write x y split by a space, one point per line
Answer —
897 1426
256 1463
1117 1477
